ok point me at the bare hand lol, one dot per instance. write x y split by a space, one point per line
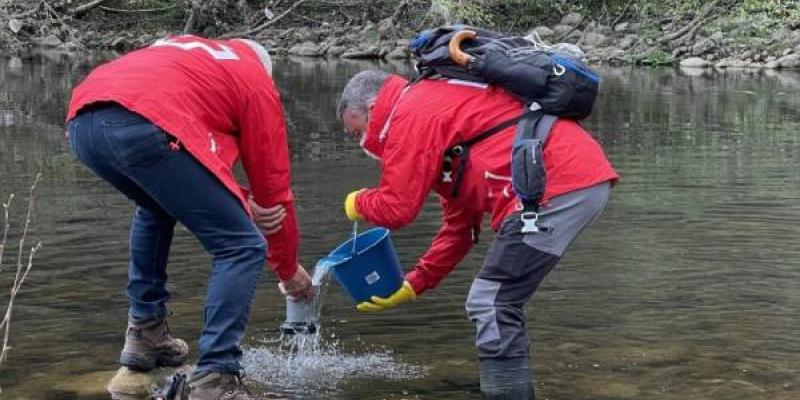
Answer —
298 286
269 220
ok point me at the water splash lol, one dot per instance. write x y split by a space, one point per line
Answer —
306 365
300 362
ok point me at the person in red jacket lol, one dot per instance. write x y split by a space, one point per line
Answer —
409 129
165 125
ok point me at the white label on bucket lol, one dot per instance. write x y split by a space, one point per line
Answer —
372 277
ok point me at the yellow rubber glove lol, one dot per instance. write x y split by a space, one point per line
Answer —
350 206
402 295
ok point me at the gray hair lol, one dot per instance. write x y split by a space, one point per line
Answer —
362 88
261 51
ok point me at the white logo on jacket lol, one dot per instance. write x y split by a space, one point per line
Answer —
506 191
212 143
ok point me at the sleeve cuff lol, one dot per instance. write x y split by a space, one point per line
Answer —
417 282
350 207
286 273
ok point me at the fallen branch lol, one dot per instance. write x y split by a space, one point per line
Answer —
189 25
399 10
264 25
689 35
57 16
144 10
691 26
567 33
622 14
80 10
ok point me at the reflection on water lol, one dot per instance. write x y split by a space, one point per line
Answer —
686 288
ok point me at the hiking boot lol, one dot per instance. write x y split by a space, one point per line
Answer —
208 385
148 345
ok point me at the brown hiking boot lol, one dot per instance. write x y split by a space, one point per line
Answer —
207 385
148 345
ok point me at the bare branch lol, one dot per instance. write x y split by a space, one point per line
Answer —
31 200
80 10
142 10
22 270
264 25
691 26
6 323
189 25
622 14
6 226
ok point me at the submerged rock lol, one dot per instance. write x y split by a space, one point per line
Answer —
86 385
132 385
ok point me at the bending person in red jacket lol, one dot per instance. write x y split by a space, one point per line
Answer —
165 125
409 129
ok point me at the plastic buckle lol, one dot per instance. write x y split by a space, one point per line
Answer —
447 176
529 219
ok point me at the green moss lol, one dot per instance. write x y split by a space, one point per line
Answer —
655 57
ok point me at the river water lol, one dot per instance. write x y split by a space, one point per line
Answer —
688 286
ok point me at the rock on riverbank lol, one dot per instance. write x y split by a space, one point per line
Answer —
695 41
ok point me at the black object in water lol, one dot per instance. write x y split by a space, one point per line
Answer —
173 390
298 328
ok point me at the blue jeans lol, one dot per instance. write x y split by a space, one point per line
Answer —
169 185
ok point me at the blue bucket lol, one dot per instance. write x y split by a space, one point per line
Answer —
372 270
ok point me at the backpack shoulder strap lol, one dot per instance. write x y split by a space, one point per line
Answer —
543 127
528 178
496 129
461 150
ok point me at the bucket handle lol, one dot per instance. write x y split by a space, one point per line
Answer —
355 235
456 54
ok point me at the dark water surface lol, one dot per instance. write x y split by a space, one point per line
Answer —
688 287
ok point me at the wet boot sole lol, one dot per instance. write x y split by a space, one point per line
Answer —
138 362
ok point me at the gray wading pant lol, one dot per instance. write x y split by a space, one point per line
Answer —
513 268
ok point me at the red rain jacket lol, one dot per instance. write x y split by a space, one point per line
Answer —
410 130
219 101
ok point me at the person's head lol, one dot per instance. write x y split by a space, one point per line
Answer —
357 100
261 51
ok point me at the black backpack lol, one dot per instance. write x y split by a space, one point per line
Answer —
558 80
549 80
